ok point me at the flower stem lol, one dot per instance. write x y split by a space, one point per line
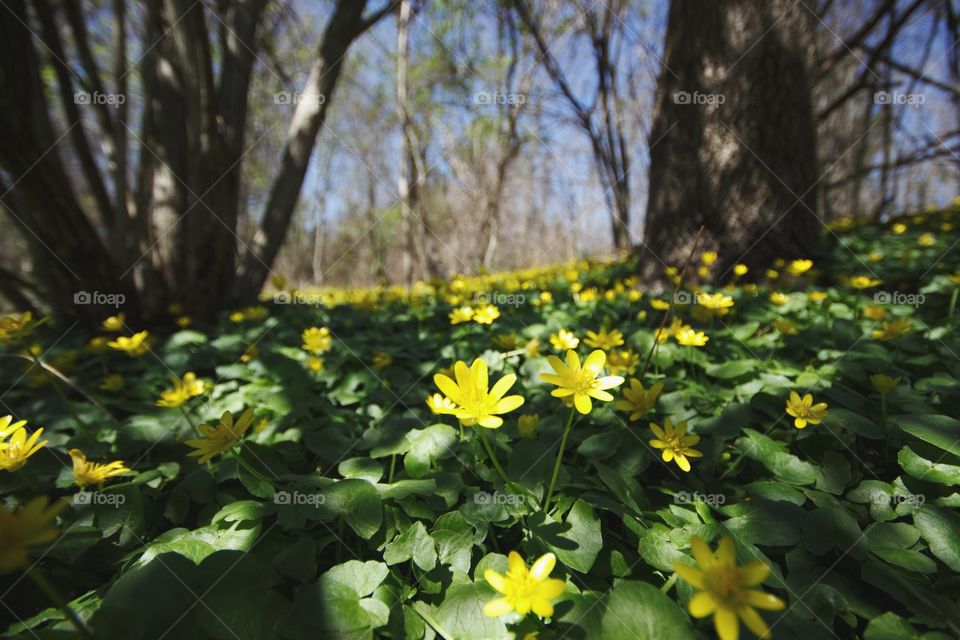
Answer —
556 466
246 465
190 421
393 466
953 302
49 591
493 457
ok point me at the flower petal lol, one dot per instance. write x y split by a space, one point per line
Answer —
497 607
701 605
543 566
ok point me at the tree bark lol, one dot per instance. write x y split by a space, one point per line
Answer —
733 145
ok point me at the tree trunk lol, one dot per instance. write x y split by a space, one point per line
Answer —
733 144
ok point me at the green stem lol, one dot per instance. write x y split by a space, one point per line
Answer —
49 591
953 302
246 465
493 457
556 466
666 586
393 466
190 421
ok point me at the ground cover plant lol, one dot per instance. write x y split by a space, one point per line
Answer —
548 453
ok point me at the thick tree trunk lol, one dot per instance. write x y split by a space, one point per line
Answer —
733 145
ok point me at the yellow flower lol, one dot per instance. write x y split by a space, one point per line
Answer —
134 346
719 303
255 313
675 443
15 446
220 438
899 228
316 339
773 274
708 257
883 384
506 340
250 354
184 321
703 271
804 410
927 240
279 281
638 401
382 360
29 527
17 325
875 256
532 348
114 323
527 425
183 390
545 297
689 337
893 329
740 270
86 472
174 308
785 326
440 404
524 590
724 589
863 282
659 305
604 340
461 315
97 344
113 382
873 312
315 364
564 340
475 403
622 361
486 314
583 382
778 298
237 316
817 296
799 267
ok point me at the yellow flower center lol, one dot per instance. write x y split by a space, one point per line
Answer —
724 584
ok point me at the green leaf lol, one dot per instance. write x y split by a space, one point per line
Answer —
774 456
413 543
359 504
639 610
941 431
941 529
923 469
426 447
765 523
576 541
461 613
455 539
361 577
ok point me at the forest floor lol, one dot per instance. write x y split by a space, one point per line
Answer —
332 494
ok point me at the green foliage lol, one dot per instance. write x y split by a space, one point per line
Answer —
351 511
